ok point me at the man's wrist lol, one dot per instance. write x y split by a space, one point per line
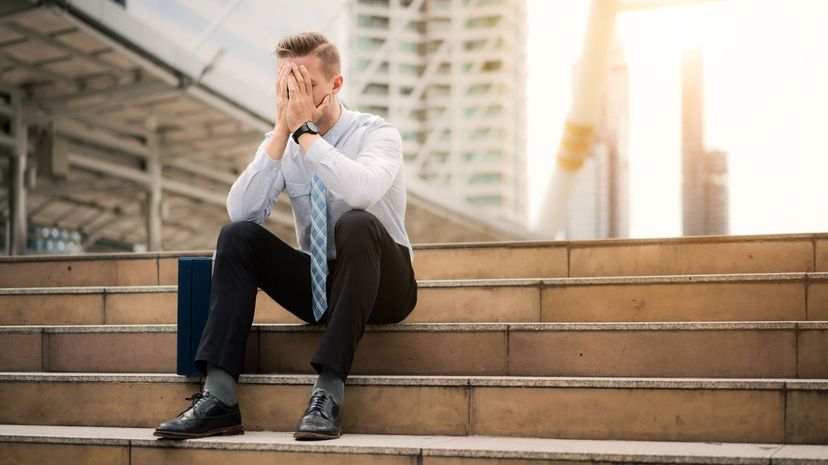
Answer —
292 128
281 130
276 144
307 139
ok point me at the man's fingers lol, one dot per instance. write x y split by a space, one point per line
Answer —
323 105
283 82
299 79
307 79
322 108
279 82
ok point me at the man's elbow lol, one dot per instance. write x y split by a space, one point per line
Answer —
236 214
361 200
233 210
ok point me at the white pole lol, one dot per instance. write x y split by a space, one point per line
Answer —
583 114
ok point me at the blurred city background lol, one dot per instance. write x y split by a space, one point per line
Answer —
124 123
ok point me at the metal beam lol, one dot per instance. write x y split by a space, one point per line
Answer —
111 125
69 211
33 69
18 227
228 109
185 146
174 187
131 229
18 10
102 185
40 207
192 239
116 92
199 168
52 42
100 230
107 106
73 130
152 208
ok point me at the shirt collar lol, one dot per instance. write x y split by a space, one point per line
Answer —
335 133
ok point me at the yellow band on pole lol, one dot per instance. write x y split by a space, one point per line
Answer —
575 146
578 130
569 163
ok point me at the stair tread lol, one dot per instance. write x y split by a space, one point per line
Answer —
444 380
785 237
503 447
446 327
505 282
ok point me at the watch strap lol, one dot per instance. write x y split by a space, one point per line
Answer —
301 130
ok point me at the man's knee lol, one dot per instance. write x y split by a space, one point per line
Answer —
237 230
355 223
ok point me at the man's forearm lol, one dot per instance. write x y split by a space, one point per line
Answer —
307 139
276 144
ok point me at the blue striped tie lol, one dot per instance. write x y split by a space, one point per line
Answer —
319 246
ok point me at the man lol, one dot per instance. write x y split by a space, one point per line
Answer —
344 178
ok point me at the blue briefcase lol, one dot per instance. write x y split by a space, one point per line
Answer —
194 276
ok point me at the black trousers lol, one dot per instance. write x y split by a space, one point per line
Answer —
370 281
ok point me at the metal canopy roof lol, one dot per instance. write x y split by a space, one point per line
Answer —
102 95
130 119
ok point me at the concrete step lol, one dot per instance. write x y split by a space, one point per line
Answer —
727 297
779 410
136 446
488 260
676 349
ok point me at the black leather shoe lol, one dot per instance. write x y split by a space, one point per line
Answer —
321 419
208 416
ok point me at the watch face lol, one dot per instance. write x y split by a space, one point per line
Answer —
313 127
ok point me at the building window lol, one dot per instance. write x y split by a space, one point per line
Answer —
408 69
492 65
494 110
484 200
376 89
410 47
493 155
370 21
478 89
486 178
369 43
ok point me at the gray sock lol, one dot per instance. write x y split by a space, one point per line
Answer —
330 381
221 384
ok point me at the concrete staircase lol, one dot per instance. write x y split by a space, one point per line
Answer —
689 350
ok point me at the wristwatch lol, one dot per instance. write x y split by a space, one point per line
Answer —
309 127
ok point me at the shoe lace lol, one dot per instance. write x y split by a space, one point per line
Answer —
195 398
318 400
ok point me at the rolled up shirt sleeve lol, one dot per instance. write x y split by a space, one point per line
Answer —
363 180
253 194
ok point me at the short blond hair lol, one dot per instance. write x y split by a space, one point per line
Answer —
311 43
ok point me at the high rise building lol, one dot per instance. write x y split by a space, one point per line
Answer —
450 74
599 206
704 173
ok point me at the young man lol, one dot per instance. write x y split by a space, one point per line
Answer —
343 173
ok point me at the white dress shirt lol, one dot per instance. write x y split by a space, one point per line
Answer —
361 163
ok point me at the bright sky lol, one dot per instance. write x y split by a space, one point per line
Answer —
766 85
